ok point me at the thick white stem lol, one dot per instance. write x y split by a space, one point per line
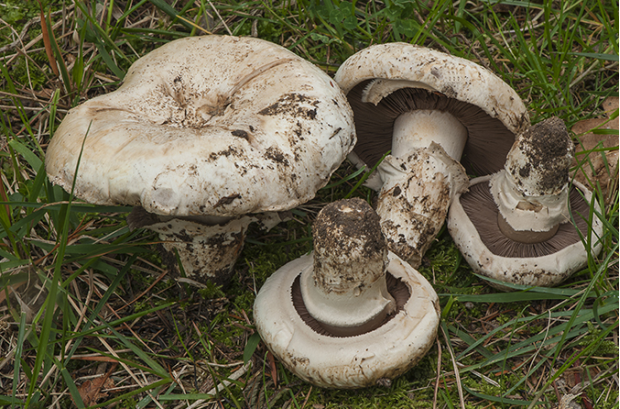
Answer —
208 252
345 289
523 212
418 129
354 311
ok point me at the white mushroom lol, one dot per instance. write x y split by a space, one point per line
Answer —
351 314
429 109
209 131
516 225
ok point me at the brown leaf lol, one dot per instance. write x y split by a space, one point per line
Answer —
90 391
595 168
47 42
274 370
610 105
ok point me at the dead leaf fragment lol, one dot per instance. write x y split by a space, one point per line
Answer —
93 390
600 165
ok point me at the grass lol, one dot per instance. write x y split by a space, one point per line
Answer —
89 316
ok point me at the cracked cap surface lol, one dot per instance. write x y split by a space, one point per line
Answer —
212 125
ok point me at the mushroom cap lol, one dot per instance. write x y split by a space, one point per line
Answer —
436 74
354 361
215 125
538 264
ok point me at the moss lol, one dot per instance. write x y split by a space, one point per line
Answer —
604 347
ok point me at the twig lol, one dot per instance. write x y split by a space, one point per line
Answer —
218 14
456 369
233 377
438 372
306 399
20 37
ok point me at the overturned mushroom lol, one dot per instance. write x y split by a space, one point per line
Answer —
352 314
429 109
517 225
206 135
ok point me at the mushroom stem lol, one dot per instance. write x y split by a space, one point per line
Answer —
414 199
207 246
346 289
418 129
527 218
206 252
531 192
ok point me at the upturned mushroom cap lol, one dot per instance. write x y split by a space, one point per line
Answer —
408 77
314 352
472 223
516 225
212 125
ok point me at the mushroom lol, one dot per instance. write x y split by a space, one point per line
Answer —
206 135
429 109
351 314
526 224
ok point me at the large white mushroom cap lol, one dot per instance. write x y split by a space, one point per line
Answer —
212 125
386 69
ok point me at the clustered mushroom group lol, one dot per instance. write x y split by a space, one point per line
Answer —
209 134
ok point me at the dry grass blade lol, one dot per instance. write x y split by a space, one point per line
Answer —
454 366
438 374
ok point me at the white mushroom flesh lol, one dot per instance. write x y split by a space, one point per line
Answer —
378 89
414 199
418 129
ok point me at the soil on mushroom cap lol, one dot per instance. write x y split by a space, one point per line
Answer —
290 104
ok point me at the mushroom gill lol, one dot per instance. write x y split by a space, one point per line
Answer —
374 126
478 203
395 286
